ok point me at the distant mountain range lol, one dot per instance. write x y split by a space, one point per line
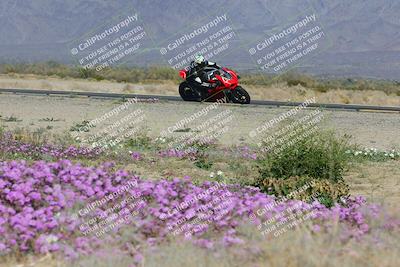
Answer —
361 37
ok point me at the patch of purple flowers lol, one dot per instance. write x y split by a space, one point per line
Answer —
136 155
190 153
8 144
241 152
247 153
36 202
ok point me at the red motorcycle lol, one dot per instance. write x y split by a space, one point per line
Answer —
223 83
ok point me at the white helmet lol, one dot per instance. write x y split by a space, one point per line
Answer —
199 58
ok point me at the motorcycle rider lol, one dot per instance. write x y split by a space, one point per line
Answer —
197 73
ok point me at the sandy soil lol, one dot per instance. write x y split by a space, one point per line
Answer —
279 92
378 181
59 114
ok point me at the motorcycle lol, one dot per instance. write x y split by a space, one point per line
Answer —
223 82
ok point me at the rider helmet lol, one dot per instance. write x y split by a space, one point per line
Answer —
199 59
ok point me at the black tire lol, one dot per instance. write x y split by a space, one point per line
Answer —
240 96
189 93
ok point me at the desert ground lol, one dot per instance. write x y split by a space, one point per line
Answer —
370 129
377 181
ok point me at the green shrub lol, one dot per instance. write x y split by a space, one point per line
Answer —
320 155
83 126
319 158
305 189
294 79
203 162
140 141
323 88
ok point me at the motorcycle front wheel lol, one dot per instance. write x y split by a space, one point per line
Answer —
189 93
240 96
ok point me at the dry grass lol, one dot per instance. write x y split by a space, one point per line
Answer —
29 81
294 249
297 248
28 261
277 91
298 93
167 168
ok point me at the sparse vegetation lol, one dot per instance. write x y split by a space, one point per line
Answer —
119 74
11 118
126 74
140 142
49 119
83 126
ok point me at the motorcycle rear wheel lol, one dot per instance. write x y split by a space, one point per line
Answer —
189 93
240 96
